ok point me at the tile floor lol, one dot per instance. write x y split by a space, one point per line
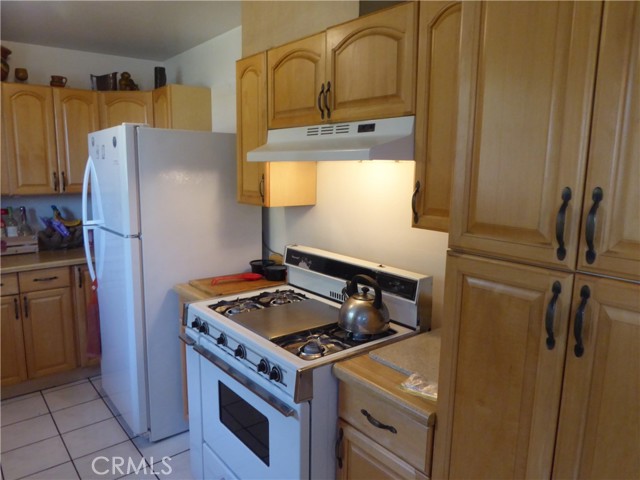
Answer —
70 432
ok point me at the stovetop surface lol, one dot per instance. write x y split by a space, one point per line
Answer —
281 320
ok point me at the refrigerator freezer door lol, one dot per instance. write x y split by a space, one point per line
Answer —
121 327
113 155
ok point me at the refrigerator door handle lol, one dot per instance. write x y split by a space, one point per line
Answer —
88 225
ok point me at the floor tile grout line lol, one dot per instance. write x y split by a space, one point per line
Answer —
51 412
64 444
45 469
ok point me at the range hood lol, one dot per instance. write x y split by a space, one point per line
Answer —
385 139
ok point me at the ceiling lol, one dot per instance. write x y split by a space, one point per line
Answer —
150 30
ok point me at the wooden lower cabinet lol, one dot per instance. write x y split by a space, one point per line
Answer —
48 332
14 363
362 458
38 331
515 400
599 426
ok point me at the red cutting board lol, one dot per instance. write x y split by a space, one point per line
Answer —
230 287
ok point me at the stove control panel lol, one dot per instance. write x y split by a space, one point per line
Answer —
236 352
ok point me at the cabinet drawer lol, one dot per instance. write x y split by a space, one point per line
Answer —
9 284
44 279
412 440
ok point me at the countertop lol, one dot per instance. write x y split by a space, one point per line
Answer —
45 259
201 289
384 369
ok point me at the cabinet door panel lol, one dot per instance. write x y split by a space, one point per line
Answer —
251 112
372 64
14 367
614 155
499 385
76 115
130 107
436 112
362 458
295 76
48 332
30 135
526 82
599 426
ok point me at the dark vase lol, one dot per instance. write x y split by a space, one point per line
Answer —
5 66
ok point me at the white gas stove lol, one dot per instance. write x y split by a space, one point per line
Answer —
268 354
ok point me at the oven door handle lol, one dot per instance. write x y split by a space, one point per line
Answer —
261 392
188 340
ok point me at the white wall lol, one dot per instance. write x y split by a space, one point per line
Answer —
77 66
212 64
363 209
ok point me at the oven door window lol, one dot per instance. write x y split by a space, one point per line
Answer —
245 422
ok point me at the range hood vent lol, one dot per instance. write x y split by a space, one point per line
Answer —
385 139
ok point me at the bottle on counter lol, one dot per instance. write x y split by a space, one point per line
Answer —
4 227
23 227
11 224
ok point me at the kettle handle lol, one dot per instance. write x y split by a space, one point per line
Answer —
352 288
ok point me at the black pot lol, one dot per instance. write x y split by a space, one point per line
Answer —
275 273
258 266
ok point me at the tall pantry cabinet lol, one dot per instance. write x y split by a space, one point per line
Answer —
540 366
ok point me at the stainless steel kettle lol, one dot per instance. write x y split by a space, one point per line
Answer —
361 313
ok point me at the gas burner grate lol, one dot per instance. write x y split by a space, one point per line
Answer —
229 308
279 297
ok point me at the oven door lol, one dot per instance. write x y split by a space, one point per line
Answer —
250 425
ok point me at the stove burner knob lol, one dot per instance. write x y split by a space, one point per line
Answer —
196 323
263 366
275 374
222 340
204 328
240 351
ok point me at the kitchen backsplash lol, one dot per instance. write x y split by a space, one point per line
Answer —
40 206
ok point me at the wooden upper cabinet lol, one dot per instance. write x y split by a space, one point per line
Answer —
599 425
130 107
29 131
499 385
275 184
296 73
436 113
371 65
359 70
610 235
76 115
527 72
182 107
251 116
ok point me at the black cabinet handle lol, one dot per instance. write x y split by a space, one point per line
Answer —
339 448
79 277
414 202
585 293
64 181
261 188
326 101
377 423
26 307
561 252
55 181
45 279
590 233
551 313
16 308
320 97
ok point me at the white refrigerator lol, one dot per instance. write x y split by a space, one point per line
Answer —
162 210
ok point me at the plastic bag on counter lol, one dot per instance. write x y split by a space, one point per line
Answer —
416 384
